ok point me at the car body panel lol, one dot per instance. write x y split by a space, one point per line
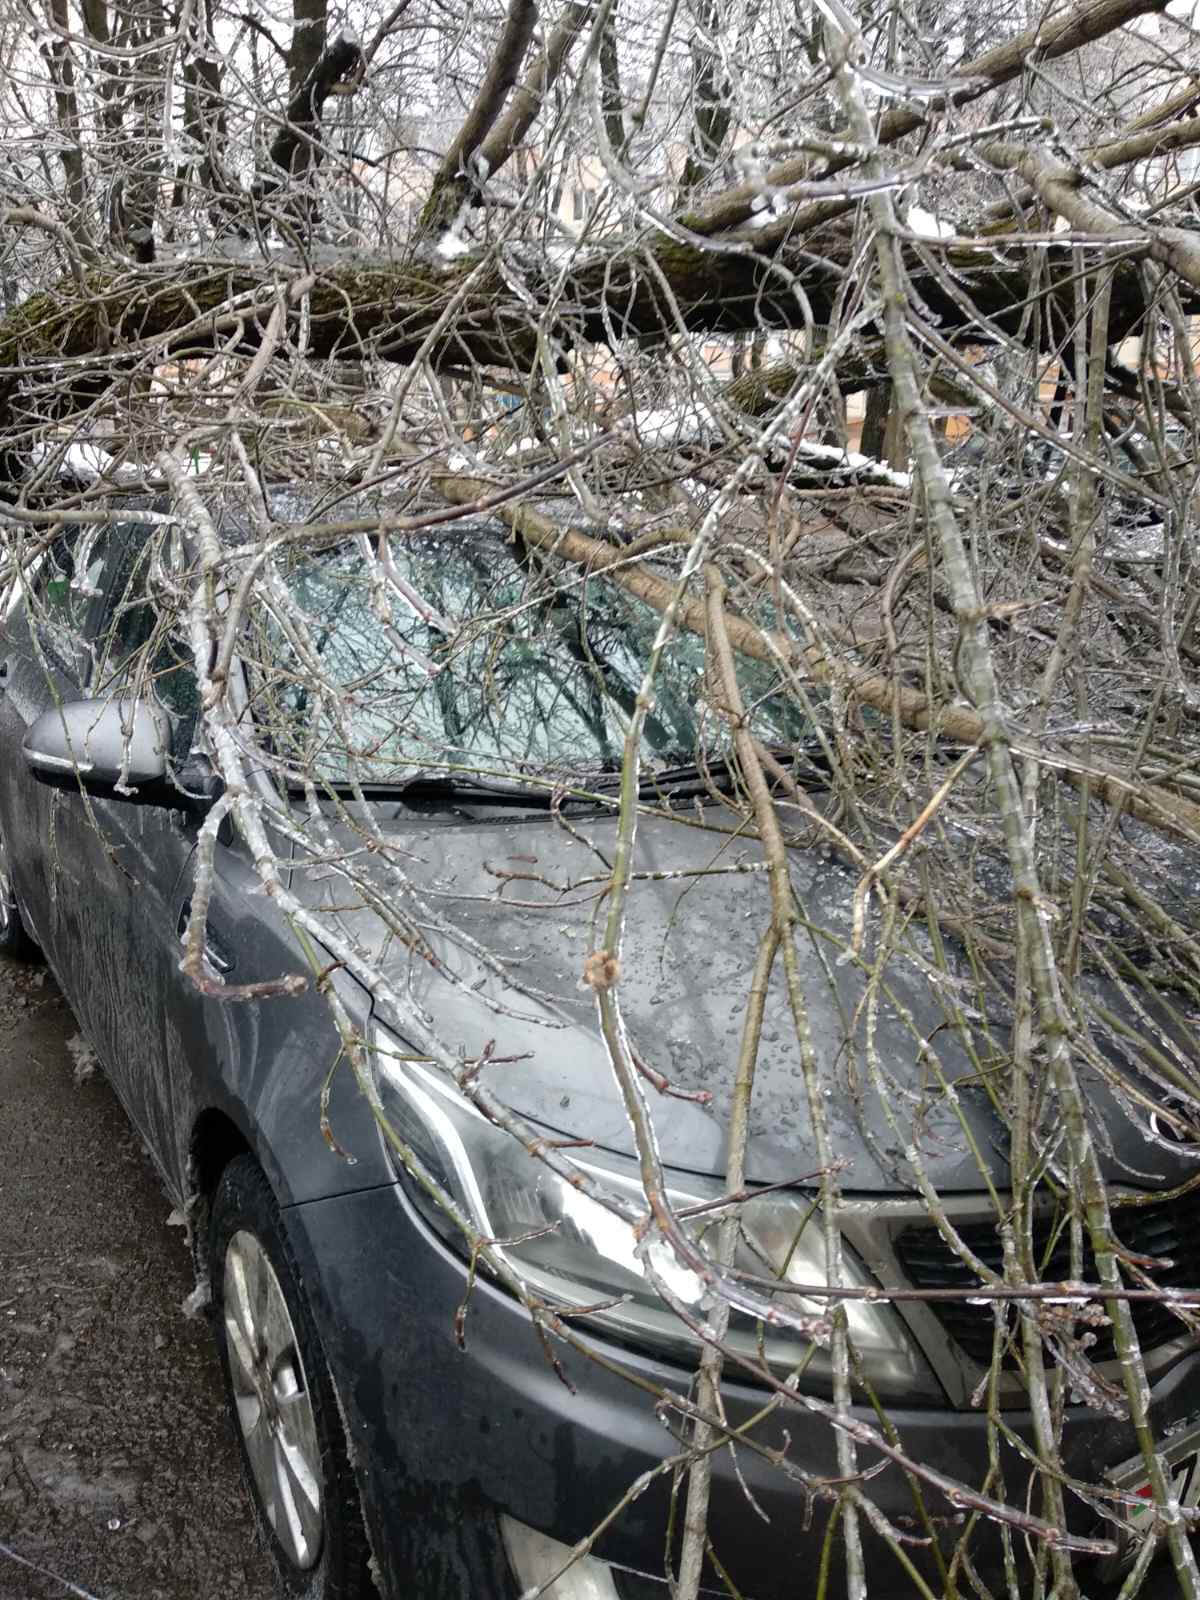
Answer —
519 1441
266 1062
688 951
105 885
451 1423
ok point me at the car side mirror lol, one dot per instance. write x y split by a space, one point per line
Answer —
116 750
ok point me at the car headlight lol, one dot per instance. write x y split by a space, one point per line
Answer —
572 1251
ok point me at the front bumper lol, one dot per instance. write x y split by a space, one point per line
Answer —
444 1436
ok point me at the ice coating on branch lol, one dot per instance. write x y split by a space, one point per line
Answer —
664 429
681 1280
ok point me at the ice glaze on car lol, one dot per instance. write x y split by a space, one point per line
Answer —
388 1400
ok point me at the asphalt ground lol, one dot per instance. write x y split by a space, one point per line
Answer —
119 1473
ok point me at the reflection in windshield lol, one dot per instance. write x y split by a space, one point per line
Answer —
517 669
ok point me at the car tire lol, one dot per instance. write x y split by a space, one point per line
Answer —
15 942
281 1396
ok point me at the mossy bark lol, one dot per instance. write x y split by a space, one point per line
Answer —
390 308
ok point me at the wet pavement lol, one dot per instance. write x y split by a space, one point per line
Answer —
119 1475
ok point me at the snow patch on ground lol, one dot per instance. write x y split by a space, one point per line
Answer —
83 1057
198 1302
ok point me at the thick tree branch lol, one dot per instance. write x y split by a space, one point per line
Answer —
298 139
615 294
308 44
1140 145
527 99
1061 188
1046 40
453 179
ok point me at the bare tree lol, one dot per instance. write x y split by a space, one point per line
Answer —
456 267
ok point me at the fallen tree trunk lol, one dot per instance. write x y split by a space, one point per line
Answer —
465 312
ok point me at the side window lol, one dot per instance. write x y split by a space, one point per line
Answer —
129 619
142 651
63 593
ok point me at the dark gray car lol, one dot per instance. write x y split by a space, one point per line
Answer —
390 1402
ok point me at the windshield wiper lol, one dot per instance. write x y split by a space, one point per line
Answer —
717 772
685 778
468 786
721 772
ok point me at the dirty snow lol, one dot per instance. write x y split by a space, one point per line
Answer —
198 1302
83 1057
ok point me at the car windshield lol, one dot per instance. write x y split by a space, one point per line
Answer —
480 658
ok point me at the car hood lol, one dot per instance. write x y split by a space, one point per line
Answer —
510 916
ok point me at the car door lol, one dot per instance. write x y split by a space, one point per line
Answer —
174 1049
112 920
142 851
46 658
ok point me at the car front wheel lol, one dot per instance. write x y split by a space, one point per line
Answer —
281 1396
14 940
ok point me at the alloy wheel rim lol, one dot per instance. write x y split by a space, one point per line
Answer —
272 1401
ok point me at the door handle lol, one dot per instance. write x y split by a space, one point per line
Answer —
213 953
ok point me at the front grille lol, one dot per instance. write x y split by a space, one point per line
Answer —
1164 1230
